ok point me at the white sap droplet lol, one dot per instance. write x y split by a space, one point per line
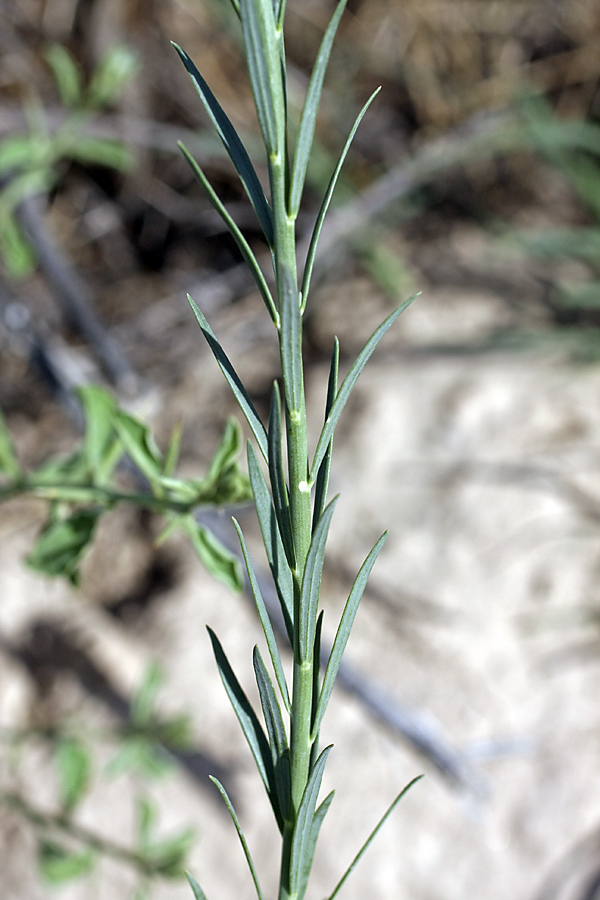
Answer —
304 487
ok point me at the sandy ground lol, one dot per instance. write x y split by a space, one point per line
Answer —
482 615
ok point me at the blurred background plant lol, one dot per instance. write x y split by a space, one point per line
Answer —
142 749
30 163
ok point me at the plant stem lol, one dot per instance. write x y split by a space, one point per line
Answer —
86 493
300 502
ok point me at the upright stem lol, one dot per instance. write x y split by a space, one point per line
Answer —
300 506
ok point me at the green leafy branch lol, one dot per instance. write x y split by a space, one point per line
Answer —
81 487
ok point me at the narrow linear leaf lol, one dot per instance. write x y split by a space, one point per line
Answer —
315 828
265 70
115 69
316 685
277 476
312 250
16 251
236 234
279 10
344 629
311 583
280 569
102 152
67 74
322 482
227 452
196 889
246 405
308 119
9 464
233 145
280 752
265 621
241 835
16 152
172 454
301 841
372 836
253 731
347 385
291 341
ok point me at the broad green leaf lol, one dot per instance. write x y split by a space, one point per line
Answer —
234 147
311 584
246 405
167 856
67 74
343 632
118 66
308 119
317 821
303 830
322 481
58 864
314 241
143 705
265 70
9 464
291 341
73 765
277 475
219 561
60 546
253 731
240 833
265 621
91 151
99 409
280 569
140 445
176 732
236 234
278 742
68 470
347 385
142 756
147 816
196 889
372 836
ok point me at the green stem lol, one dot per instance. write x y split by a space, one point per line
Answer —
86 493
300 501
